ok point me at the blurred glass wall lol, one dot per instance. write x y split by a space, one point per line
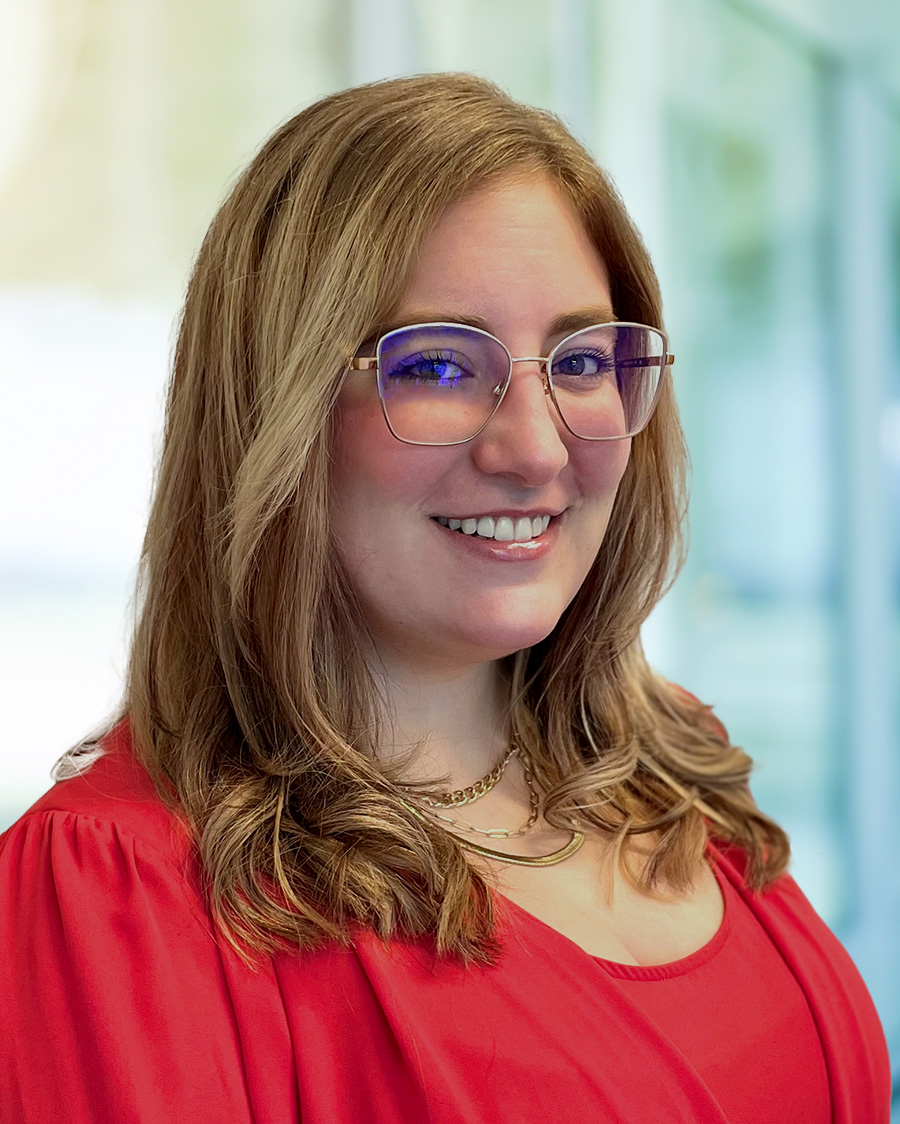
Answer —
757 145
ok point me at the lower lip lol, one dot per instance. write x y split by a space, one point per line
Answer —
493 551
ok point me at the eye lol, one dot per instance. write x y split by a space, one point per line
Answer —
584 363
431 368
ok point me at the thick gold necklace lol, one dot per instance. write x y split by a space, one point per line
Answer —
552 859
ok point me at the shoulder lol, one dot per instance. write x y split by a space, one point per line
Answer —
703 710
114 789
115 995
845 1016
791 922
98 839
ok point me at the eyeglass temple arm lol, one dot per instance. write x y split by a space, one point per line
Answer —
363 364
646 361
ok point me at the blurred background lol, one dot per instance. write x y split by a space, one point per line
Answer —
757 145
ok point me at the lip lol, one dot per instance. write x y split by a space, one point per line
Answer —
509 512
490 550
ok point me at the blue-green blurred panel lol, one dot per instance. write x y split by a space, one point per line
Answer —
756 608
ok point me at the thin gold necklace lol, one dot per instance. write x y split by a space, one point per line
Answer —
498 832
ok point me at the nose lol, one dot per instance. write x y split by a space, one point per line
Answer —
524 439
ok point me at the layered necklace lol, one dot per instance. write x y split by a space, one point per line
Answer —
462 796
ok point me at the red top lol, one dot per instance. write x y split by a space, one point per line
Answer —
120 1005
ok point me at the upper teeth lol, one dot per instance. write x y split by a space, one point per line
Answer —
503 529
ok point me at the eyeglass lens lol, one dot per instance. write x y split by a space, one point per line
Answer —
441 383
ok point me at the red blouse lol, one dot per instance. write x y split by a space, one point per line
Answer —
730 1008
119 1003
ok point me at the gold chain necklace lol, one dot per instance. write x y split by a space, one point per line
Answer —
499 832
552 859
467 795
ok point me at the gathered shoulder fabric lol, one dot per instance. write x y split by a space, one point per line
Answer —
121 1003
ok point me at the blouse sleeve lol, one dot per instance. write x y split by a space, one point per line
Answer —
113 1002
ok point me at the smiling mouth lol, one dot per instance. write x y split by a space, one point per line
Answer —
502 528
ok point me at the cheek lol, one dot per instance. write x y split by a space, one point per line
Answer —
367 461
359 453
600 467
374 477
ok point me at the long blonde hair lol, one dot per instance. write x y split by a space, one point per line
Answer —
248 699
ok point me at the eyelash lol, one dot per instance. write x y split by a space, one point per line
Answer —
428 357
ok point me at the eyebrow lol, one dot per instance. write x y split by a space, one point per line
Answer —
581 318
561 326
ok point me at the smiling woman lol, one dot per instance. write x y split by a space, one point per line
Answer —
396 822
515 257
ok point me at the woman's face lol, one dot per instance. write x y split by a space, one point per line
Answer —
516 257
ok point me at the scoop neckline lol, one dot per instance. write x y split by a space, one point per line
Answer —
649 972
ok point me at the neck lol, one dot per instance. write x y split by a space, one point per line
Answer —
450 723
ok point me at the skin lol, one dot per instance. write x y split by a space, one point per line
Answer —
439 614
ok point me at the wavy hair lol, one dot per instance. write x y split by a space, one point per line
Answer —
248 698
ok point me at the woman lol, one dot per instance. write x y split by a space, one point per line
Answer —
397 823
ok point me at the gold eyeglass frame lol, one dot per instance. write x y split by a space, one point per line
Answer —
371 363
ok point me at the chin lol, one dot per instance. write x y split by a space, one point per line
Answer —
497 636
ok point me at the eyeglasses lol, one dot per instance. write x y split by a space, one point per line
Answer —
440 384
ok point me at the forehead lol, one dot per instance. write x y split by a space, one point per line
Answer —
514 248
